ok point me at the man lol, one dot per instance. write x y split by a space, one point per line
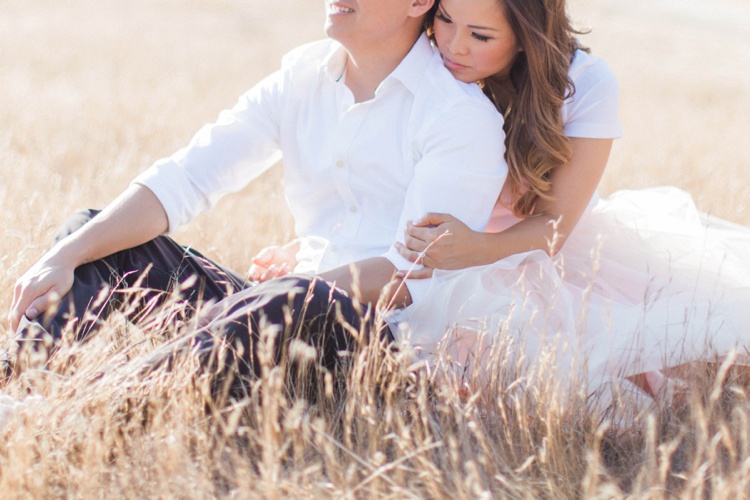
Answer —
373 130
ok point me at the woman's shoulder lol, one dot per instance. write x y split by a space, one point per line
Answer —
592 109
588 69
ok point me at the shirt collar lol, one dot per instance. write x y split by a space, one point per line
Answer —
413 66
409 72
334 63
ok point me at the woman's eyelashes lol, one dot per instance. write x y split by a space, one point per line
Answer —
444 19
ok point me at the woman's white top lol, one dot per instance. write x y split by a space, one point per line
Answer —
591 112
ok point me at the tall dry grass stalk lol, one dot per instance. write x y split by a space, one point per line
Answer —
94 91
105 427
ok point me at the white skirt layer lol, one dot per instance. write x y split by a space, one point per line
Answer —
645 282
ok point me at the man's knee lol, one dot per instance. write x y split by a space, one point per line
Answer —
274 299
293 306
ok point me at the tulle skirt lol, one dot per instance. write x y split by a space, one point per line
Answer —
645 282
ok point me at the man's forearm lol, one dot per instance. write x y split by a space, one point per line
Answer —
133 218
370 279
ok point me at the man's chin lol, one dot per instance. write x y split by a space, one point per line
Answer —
339 23
331 31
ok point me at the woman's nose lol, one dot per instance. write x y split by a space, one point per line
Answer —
458 44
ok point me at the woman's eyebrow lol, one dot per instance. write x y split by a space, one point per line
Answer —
472 26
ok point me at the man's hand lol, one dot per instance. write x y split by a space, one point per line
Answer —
133 218
274 261
40 287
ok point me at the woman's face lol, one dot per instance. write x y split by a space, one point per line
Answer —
475 38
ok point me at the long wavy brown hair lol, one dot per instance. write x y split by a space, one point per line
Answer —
530 97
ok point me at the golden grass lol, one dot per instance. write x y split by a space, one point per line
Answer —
94 91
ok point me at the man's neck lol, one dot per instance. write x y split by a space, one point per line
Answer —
367 68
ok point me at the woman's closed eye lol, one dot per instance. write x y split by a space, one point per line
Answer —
442 18
445 19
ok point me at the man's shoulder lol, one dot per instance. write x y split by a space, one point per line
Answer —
444 101
442 91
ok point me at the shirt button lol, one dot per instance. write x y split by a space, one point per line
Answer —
340 164
353 209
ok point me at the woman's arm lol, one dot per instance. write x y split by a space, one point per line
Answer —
135 217
444 242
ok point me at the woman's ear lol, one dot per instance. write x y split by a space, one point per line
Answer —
420 7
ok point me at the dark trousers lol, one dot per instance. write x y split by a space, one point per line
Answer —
300 323
264 323
136 281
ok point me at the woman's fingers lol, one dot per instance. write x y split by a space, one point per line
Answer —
432 219
419 274
408 254
422 236
415 244
416 274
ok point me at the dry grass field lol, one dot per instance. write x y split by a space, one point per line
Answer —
94 91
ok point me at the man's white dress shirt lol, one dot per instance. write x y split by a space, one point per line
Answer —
354 173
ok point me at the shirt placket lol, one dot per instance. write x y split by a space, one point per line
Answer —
351 118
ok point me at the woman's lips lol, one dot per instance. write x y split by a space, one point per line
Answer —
453 65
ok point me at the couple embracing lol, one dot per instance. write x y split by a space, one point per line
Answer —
399 145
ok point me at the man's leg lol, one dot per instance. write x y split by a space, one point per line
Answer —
140 279
275 323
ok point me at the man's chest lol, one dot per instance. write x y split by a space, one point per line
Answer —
364 147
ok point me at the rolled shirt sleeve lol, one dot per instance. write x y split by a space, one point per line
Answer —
222 157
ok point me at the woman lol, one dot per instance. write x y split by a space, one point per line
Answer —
636 283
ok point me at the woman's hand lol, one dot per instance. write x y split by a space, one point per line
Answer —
440 241
274 261
40 287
